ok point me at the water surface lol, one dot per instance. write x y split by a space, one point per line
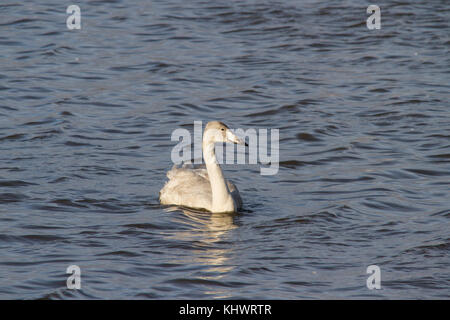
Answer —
85 123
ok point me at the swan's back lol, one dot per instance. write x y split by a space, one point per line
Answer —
189 186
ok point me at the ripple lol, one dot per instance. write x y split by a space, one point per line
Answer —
306 137
18 21
12 197
424 172
204 282
15 183
16 136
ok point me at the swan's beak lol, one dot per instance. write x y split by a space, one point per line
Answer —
231 137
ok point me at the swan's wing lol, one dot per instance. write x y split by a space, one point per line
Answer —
187 169
200 169
188 187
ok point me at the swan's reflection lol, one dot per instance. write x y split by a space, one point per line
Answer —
211 244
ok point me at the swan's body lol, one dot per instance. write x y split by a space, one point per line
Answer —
204 187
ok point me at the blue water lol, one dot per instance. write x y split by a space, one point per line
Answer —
86 118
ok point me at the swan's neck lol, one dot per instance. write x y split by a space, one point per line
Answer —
221 197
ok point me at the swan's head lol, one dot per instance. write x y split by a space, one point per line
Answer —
217 131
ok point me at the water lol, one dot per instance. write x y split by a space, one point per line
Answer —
85 123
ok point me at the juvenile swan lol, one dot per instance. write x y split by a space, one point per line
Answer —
204 188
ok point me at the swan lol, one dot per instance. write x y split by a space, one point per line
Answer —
204 188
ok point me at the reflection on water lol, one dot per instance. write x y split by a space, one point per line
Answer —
209 235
